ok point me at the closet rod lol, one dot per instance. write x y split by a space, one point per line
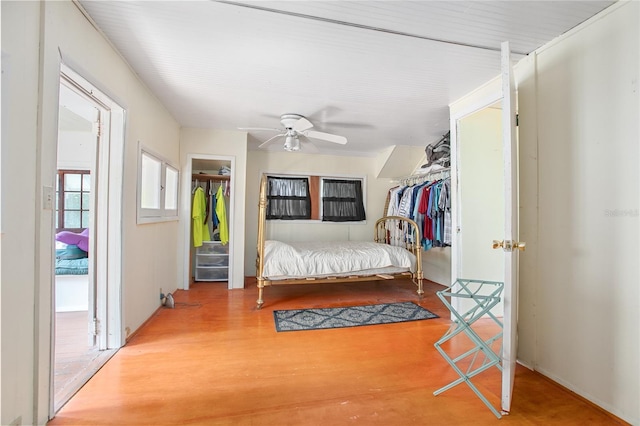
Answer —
423 177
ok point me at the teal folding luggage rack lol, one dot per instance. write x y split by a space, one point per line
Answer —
483 296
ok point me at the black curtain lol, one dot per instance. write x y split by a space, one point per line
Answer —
288 198
342 200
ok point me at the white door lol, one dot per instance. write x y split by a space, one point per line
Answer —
510 239
485 206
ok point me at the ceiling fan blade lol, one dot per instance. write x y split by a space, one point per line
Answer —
302 124
263 144
308 147
261 129
325 137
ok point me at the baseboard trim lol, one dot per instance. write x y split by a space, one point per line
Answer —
250 281
133 334
601 406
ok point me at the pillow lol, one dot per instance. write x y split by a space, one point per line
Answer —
81 239
72 251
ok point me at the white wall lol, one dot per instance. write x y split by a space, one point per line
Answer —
579 301
436 265
35 36
232 144
20 38
76 150
481 186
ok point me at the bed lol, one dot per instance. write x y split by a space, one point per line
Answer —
71 253
72 279
72 266
394 253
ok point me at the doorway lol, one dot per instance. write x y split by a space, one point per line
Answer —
86 311
481 197
213 261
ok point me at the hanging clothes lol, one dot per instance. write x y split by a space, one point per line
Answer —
429 205
214 215
198 214
395 235
445 205
221 213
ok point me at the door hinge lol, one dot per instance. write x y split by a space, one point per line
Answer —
517 119
95 327
97 128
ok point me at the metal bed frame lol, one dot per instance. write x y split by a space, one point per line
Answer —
411 243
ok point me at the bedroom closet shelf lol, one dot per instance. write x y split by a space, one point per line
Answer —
204 176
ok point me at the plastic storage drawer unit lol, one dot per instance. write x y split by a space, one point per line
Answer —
212 274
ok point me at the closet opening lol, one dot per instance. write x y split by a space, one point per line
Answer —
208 248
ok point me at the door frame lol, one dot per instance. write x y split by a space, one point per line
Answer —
484 97
108 232
108 221
185 214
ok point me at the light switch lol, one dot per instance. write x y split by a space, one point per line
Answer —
47 198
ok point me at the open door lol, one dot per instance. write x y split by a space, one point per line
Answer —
484 208
510 244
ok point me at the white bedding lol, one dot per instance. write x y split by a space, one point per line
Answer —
327 259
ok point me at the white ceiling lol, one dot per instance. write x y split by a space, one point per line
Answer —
381 73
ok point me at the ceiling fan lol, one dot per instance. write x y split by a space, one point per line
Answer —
296 125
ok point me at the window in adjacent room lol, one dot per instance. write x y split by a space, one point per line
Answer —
157 189
73 195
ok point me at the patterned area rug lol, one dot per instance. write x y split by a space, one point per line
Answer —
352 316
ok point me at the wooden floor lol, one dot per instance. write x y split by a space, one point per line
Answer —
76 359
216 360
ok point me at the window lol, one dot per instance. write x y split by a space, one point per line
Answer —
157 189
342 200
315 198
288 198
73 197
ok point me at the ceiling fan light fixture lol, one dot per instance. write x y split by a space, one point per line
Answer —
292 143
296 125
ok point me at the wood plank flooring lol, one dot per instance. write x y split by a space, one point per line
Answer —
216 360
76 360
